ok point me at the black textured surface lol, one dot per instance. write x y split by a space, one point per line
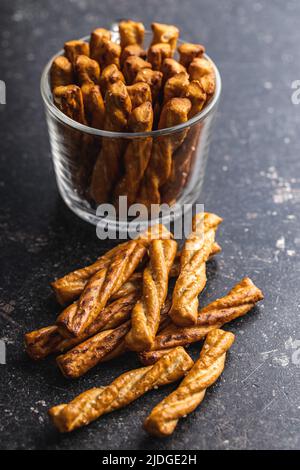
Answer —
252 180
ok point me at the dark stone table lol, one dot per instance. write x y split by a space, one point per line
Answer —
252 180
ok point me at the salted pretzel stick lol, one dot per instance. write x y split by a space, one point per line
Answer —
133 49
153 78
132 65
192 277
163 419
110 75
70 286
164 33
87 70
145 316
40 343
239 301
176 86
201 69
107 167
173 113
75 48
102 347
188 52
122 391
137 154
68 99
139 93
131 33
158 53
93 105
170 68
87 354
100 287
97 37
61 72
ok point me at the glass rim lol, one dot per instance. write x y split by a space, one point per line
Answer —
45 92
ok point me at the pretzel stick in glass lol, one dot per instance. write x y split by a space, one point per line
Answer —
96 402
137 154
107 167
163 419
174 112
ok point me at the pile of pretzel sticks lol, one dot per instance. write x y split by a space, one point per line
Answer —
122 302
122 87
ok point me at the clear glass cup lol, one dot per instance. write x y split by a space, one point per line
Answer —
75 147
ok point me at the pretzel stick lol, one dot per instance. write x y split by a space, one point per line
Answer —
158 53
133 49
102 347
61 72
75 48
146 313
192 277
40 343
123 390
100 287
87 354
188 52
201 69
165 33
131 33
70 286
107 167
137 154
163 419
174 112
239 301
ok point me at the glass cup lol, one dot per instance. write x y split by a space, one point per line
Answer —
75 148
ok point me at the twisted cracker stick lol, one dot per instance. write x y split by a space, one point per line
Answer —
40 343
123 390
76 48
176 86
107 167
102 347
133 49
188 52
61 72
153 78
110 75
131 33
138 152
158 53
165 33
240 300
202 70
69 100
87 70
89 353
171 67
163 419
93 105
96 39
100 288
174 112
132 65
192 277
145 316
139 93
70 286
